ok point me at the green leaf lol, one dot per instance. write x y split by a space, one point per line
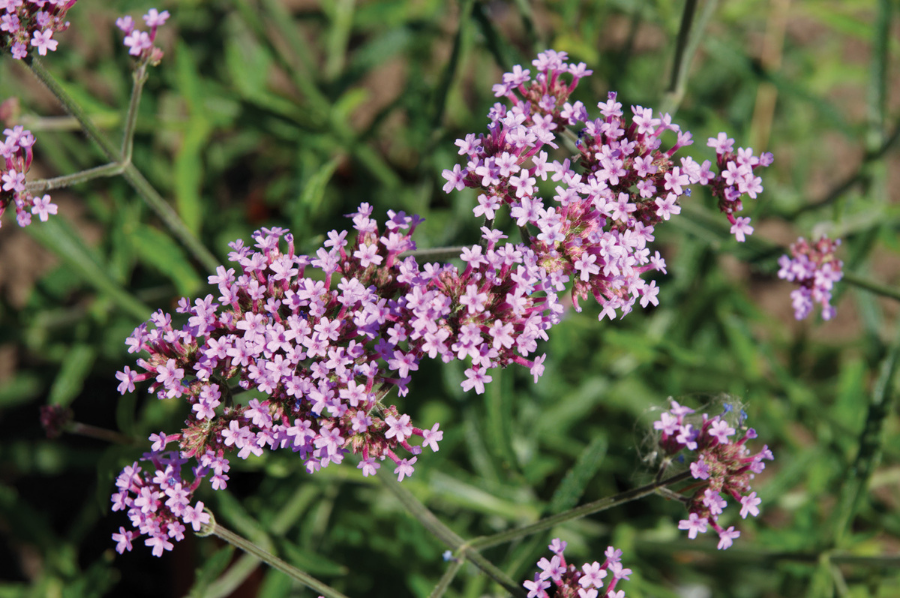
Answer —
188 162
207 573
576 480
58 236
20 389
311 562
75 368
158 250
314 191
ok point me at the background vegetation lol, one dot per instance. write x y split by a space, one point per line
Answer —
291 113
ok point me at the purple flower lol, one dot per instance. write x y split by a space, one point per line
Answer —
693 524
727 537
815 269
569 581
750 505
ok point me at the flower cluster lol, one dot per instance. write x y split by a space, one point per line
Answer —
16 155
31 24
816 270
597 227
736 178
724 466
140 43
322 350
159 501
570 582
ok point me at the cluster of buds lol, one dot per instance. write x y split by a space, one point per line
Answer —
597 227
141 43
15 160
815 269
723 466
570 582
31 24
159 502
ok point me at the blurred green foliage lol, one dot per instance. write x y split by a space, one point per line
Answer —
271 113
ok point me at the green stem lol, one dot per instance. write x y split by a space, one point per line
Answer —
441 588
439 254
576 513
42 185
140 78
131 174
531 31
270 559
443 89
872 286
685 47
857 177
99 433
445 534
871 441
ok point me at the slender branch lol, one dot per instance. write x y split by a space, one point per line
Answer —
685 47
441 588
445 534
99 433
576 513
684 32
270 559
131 174
440 254
42 185
857 177
872 286
140 78
767 248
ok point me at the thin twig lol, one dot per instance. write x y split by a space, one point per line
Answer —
270 559
576 513
434 525
446 579
131 174
685 47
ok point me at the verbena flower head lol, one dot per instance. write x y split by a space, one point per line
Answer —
608 200
321 340
815 269
723 465
30 24
15 161
141 43
564 580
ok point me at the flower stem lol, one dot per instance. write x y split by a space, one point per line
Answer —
272 560
131 174
685 47
441 588
99 433
440 254
576 513
42 185
446 535
872 286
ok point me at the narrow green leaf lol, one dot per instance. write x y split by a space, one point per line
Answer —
314 191
59 237
207 573
158 250
76 366
871 440
20 389
188 162
576 480
311 562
